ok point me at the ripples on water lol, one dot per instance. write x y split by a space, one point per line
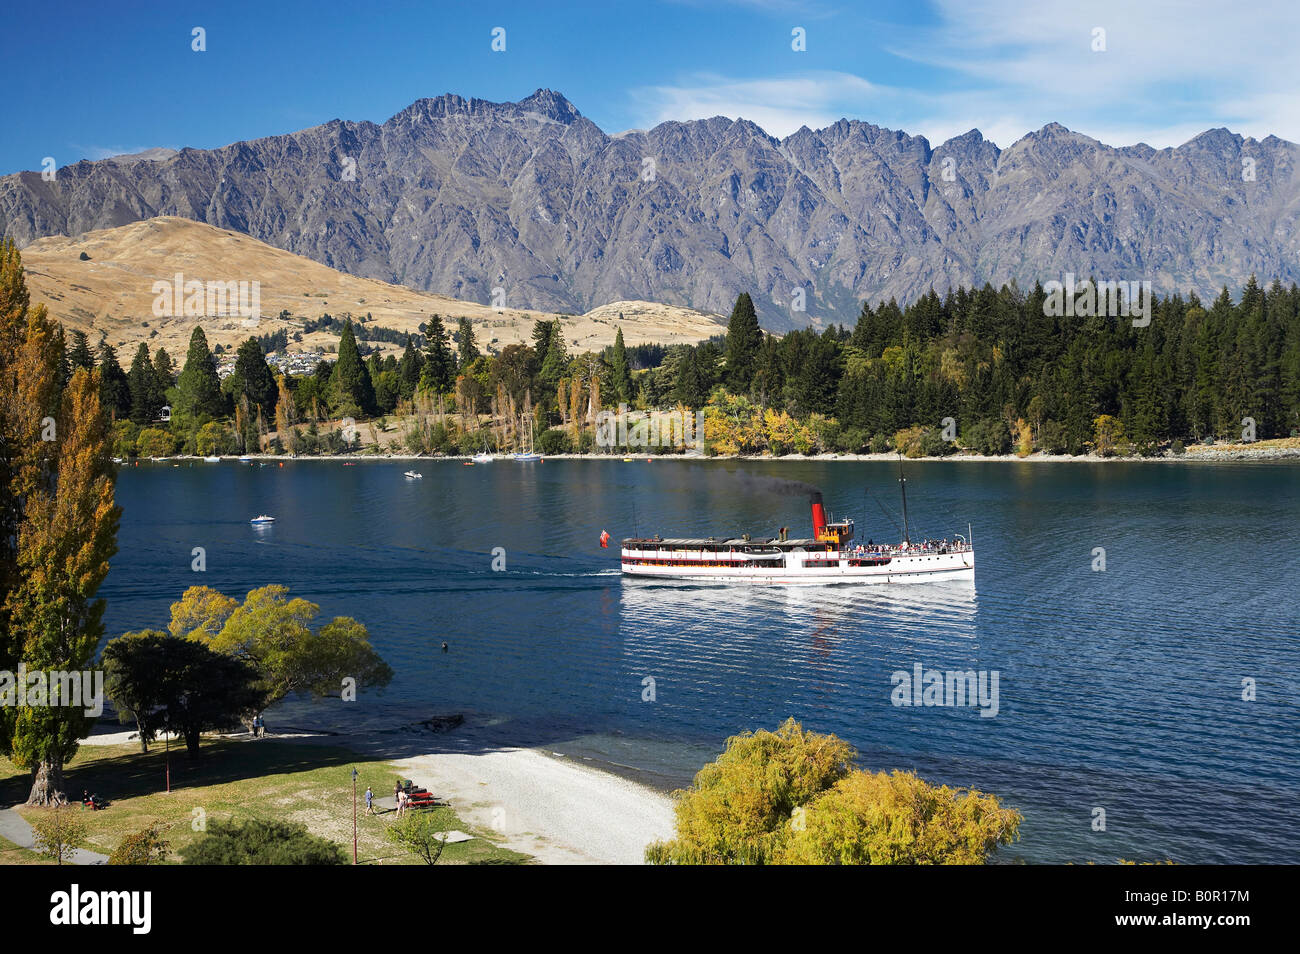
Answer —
1118 689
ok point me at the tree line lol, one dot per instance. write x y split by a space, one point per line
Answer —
977 369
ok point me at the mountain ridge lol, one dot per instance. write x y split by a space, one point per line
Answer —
461 196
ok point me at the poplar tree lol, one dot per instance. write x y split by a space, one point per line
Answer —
58 529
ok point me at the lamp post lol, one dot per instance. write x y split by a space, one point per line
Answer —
354 815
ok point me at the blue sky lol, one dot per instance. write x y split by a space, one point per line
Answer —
90 79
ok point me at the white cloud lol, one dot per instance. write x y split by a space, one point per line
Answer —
1169 71
780 106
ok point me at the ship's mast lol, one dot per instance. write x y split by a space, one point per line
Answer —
902 484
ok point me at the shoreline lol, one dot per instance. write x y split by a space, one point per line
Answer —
1231 453
557 808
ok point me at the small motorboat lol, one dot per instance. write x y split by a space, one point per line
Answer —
483 458
212 460
412 475
262 520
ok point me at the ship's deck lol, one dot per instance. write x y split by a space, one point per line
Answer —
718 543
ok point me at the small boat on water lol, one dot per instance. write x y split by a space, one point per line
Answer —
483 458
212 460
412 475
262 520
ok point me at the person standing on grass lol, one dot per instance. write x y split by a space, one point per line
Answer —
370 797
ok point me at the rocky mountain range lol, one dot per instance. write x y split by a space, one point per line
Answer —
530 205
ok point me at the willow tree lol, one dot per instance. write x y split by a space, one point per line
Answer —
794 797
58 528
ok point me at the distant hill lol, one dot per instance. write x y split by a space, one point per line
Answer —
461 196
111 292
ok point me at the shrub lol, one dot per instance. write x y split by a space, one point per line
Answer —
155 442
908 441
257 842
145 847
933 444
553 440
853 440
880 444
1052 438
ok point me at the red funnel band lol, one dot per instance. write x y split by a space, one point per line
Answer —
818 518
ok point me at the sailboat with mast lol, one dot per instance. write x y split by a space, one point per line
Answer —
527 454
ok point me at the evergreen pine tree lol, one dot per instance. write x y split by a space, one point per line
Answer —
466 342
114 388
620 377
80 356
255 380
439 373
744 338
144 387
350 385
199 388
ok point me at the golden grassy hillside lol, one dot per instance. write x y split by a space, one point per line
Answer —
112 294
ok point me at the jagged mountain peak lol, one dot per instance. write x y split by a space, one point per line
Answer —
461 196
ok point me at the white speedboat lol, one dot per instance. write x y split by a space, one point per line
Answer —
262 520
412 475
483 458
212 460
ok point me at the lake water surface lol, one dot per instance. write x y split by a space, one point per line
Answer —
1119 689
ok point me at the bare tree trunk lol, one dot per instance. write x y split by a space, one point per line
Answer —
47 784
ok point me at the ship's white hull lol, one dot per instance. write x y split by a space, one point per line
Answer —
792 568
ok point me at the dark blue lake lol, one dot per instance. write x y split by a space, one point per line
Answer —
1120 689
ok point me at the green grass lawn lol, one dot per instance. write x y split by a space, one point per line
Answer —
11 854
268 779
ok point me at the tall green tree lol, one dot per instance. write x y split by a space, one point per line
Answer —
143 384
114 387
80 355
744 338
409 370
199 396
352 391
466 343
254 379
439 373
58 529
620 377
